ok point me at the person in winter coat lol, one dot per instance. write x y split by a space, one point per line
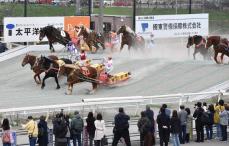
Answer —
209 126
199 125
91 127
163 122
32 128
224 118
150 115
77 125
175 128
7 138
144 127
99 130
218 108
189 127
42 132
121 128
182 115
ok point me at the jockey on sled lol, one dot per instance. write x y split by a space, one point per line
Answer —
83 57
108 63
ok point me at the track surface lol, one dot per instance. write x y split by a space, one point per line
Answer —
153 73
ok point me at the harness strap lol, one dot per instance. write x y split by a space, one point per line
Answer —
202 42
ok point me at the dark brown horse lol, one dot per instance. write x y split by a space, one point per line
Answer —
54 35
220 45
77 74
31 59
92 38
199 43
51 68
130 38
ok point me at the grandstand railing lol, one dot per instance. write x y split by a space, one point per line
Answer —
114 102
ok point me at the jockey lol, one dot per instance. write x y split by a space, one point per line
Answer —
108 65
114 38
83 58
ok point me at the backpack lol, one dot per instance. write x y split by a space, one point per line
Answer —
6 137
205 118
60 128
146 125
77 124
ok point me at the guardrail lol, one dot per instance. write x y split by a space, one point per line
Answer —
114 102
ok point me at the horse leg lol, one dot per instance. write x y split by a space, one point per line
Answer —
51 47
221 57
43 81
194 54
94 87
36 75
121 47
215 57
57 82
70 86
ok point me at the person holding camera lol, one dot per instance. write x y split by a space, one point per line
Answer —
31 127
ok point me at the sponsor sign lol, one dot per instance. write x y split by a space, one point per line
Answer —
26 29
171 26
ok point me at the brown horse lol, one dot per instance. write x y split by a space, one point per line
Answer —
51 68
220 45
76 74
31 59
92 38
199 43
130 38
54 35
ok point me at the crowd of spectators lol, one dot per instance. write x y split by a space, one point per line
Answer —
172 125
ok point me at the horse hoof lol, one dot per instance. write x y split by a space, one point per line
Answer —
92 92
58 87
67 93
42 87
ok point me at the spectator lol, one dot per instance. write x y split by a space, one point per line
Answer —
163 122
189 125
182 115
60 129
167 111
175 124
32 129
68 135
121 128
7 137
205 107
218 108
91 127
199 125
150 114
99 130
144 127
209 126
43 131
77 128
224 116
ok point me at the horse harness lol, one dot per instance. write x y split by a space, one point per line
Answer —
202 42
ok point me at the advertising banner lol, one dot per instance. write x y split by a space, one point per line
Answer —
26 29
172 26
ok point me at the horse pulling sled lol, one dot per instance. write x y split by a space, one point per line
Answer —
110 80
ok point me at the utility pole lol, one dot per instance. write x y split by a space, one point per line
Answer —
134 13
101 5
25 8
77 7
190 6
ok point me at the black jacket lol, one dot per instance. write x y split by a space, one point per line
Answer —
175 125
91 126
121 121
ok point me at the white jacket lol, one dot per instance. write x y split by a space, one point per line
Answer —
100 129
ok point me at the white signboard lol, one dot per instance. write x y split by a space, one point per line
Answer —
26 29
166 26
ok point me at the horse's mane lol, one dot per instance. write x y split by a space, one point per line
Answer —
129 30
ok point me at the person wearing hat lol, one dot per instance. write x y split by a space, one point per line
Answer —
31 127
108 65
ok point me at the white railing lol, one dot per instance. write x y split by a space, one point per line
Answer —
113 102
